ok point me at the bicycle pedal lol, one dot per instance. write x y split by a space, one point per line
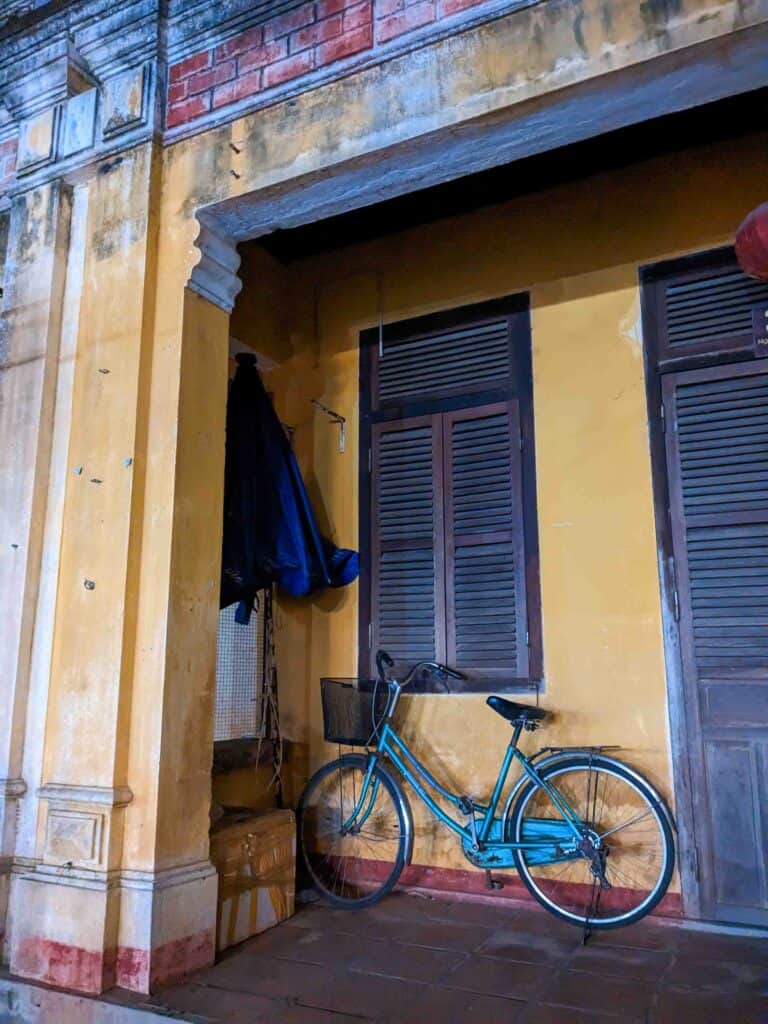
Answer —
491 882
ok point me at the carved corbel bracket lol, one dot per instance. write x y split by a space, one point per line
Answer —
215 276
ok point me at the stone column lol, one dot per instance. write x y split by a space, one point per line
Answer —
123 891
30 329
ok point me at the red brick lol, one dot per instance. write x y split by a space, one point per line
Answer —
386 7
285 70
346 45
407 20
327 7
178 91
449 7
320 32
188 66
358 16
286 23
205 80
263 55
239 44
188 110
245 85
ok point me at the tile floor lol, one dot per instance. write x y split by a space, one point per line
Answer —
414 958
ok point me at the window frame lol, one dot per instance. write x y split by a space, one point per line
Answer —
516 309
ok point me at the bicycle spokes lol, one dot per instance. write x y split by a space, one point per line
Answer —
351 832
622 857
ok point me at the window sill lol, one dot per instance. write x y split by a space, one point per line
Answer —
530 687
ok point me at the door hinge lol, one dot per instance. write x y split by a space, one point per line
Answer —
663 413
695 863
370 460
520 438
370 636
675 594
527 639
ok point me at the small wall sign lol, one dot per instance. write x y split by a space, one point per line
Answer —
760 330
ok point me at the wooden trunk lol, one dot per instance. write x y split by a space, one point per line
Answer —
255 856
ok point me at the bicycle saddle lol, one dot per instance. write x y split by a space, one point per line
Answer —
515 712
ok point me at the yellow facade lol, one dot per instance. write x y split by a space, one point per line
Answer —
120 451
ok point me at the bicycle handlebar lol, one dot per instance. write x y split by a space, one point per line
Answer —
383 661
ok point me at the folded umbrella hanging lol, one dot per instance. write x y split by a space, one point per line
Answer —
270 532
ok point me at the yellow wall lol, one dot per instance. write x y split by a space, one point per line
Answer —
577 250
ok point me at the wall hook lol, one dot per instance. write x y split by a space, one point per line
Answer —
335 418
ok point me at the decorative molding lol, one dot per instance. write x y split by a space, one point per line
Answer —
167 878
74 837
215 276
12 789
60 792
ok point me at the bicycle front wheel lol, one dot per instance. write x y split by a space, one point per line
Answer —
627 845
354 842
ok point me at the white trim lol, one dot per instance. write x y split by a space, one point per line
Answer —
60 792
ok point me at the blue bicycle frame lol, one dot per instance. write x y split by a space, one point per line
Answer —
546 840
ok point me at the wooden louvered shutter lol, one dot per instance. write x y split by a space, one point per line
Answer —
717 454
407 599
707 309
485 563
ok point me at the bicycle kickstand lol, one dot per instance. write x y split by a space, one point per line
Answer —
491 882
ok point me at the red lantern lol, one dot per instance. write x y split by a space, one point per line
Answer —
752 243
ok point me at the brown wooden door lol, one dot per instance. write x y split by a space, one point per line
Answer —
717 462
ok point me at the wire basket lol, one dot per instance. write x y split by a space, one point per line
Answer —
352 710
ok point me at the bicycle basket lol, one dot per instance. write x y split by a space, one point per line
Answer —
349 713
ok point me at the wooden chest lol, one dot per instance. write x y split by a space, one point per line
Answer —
255 856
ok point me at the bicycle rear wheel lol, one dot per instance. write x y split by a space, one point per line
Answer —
353 862
628 832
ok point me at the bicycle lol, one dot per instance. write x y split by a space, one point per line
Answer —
591 839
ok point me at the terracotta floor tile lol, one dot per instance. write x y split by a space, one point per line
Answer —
687 1006
582 991
530 947
622 962
367 995
451 1006
434 934
499 977
718 975
217 1004
722 946
415 963
542 1014
265 976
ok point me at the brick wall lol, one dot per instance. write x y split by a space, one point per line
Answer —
292 45
7 164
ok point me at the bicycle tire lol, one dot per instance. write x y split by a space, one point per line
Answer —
660 814
306 833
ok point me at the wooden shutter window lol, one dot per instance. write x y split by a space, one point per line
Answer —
407 565
485 564
467 358
720 432
718 305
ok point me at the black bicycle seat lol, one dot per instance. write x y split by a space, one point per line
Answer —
515 712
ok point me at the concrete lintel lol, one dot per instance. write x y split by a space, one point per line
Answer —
669 84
